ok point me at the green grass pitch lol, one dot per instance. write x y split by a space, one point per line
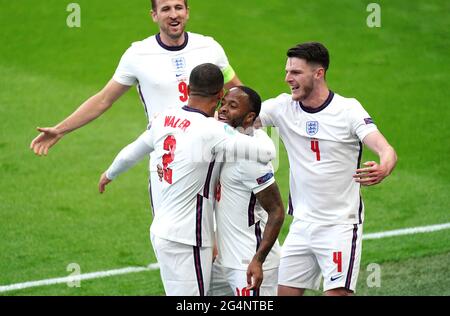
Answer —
51 213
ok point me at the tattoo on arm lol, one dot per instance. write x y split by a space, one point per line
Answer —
270 200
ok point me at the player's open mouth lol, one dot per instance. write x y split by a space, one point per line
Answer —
295 89
222 118
174 24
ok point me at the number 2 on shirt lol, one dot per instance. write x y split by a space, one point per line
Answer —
170 144
184 90
315 148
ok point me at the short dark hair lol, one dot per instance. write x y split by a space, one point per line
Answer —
154 4
254 99
205 80
312 52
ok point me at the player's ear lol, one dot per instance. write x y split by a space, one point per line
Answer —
187 13
250 118
153 14
221 94
320 73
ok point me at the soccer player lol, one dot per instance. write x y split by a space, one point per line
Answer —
249 212
186 141
323 133
159 66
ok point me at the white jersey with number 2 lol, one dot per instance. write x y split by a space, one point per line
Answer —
187 143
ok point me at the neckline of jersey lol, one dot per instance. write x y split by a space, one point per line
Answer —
173 48
320 108
189 109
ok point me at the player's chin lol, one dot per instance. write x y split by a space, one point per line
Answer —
176 31
298 96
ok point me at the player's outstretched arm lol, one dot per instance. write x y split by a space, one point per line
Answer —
374 173
270 200
259 147
127 158
88 111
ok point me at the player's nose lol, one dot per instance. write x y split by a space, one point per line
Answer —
173 14
288 78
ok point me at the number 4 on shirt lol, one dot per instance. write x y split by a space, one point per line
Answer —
315 148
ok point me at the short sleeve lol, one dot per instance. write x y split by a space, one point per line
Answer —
220 57
361 123
256 176
221 60
270 110
124 73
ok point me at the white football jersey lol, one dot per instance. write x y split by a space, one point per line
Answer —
186 143
162 72
240 219
324 147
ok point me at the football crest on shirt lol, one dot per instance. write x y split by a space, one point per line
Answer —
178 63
312 127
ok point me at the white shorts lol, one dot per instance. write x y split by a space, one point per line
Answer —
185 269
312 250
233 282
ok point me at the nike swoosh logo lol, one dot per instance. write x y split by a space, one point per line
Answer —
178 75
335 278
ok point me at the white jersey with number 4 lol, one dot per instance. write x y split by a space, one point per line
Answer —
186 143
240 218
324 148
162 72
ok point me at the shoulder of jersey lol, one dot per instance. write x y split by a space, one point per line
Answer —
216 125
146 45
348 103
260 133
199 40
283 98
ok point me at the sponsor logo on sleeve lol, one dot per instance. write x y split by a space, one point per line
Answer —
265 178
368 121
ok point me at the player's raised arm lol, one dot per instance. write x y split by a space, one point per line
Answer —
88 111
257 148
374 173
270 200
127 158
